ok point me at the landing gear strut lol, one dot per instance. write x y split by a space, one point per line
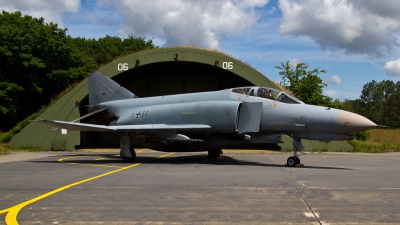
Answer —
127 153
214 154
292 161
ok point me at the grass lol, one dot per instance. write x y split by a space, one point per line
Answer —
4 149
381 140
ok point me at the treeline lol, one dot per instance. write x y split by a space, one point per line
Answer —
379 101
39 60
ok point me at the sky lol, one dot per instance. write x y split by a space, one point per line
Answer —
355 41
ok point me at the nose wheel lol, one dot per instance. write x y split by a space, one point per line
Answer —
294 160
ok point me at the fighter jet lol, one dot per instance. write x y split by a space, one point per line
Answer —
244 117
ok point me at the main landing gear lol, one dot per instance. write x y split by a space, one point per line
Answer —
294 160
127 153
214 154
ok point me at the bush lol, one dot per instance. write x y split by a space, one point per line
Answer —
362 136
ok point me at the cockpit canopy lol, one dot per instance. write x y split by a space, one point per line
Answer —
269 93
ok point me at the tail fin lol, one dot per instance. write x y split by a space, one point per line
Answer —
103 89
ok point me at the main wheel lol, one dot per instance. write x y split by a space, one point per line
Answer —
297 160
213 154
127 159
130 159
292 161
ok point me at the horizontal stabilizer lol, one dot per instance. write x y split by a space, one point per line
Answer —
120 128
83 117
89 114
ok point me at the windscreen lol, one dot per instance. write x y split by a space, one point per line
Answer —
269 93
283 97
277 95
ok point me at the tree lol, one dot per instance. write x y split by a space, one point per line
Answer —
107 48
374 96
38 62
306 85
392 106
392 109
337 104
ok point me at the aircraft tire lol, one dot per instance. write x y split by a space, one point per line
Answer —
213 154
127 159
291 161
130 159
297 160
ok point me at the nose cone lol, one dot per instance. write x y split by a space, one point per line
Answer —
350 123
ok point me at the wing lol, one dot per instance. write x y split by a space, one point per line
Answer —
120 128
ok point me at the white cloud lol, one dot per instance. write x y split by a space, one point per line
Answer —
264 55
334 80
393 67
331 93
174 22
293 62
250 3
340 94
356 26
184 22
50 10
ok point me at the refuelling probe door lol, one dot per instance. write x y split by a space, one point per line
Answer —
249 117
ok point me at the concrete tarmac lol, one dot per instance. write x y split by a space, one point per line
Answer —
186 188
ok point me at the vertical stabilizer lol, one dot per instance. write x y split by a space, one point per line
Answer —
103 89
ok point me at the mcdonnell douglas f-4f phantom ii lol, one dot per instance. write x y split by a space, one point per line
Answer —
211 121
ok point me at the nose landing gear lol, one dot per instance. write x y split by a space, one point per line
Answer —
294 160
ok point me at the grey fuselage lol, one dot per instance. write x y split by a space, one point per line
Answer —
221 110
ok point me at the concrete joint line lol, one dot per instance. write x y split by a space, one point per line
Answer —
293 177
309 207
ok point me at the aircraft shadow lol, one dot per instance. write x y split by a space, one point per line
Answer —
174 159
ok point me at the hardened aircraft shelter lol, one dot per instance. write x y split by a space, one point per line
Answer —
157 72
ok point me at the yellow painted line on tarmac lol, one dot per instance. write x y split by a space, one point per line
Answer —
84 164
97 165
87 164
100 158
62 159
12 212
